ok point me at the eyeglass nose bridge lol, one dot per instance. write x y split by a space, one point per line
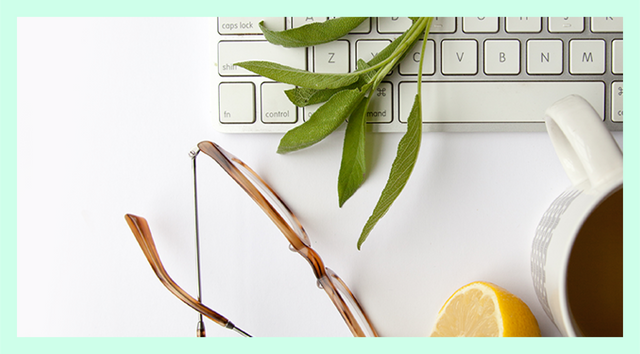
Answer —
314 260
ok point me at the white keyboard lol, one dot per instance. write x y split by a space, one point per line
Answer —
479 74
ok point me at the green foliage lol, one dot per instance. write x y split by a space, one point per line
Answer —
346 97
313 33
299 77
322 122
352 166
400 170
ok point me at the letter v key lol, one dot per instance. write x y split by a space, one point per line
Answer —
459 57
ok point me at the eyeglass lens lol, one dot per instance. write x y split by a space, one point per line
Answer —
274 200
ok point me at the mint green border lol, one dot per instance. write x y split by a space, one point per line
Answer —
11 10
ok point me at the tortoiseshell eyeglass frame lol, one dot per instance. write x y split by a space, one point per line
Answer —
286 221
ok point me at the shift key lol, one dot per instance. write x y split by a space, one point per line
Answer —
231 52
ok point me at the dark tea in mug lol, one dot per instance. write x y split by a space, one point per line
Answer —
594 274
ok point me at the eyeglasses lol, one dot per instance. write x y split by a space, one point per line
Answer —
284 219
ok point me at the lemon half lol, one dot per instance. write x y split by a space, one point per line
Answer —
482 309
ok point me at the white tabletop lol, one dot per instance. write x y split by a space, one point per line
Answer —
108 109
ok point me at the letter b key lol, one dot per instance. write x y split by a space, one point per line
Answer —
502 57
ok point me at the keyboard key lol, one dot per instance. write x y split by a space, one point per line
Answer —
364 27
502 57
367 49
616 62
332 57
443 25
505 101
586 56
230 52
380 109
409 65
616 99
544 56
236 102
524 24
301 21
276 107
566 24
393 24
459 57
248 25
606 24
309 110
480 24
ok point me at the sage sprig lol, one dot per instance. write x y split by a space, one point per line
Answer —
346 97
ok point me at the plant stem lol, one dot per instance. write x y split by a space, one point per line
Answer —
415 30
424 45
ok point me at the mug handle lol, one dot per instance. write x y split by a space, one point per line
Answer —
586 148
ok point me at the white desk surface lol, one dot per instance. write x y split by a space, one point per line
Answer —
108 110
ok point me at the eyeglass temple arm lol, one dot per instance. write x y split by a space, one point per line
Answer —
200 329
141 231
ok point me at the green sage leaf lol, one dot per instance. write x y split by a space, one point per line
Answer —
302 96
298 77
352 165
322 122
312 33
401 168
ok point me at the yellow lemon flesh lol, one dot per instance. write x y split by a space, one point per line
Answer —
482 309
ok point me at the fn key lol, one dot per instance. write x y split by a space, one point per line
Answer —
236 102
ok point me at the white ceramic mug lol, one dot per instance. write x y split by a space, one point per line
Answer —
576 262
